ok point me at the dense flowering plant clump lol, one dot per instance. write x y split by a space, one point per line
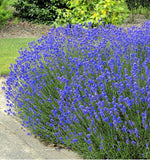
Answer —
80 11
88 89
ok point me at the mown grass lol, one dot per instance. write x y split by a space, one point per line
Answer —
9 51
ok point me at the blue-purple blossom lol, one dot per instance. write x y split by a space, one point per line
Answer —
90 148
127 141
75 140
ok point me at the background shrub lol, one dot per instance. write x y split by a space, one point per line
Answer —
142 6
43 11
5 13
132 4
80 11
135 4
146 3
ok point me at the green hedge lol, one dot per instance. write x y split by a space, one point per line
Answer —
43 11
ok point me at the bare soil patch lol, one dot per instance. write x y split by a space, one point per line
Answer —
23 30
30 30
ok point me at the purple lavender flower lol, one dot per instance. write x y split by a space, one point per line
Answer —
90 148
75 140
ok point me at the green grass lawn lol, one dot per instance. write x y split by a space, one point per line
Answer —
9 51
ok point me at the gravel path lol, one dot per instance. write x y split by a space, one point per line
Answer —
16 144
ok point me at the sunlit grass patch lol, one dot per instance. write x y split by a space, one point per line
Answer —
9 51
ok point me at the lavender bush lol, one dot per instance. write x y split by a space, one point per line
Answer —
88 89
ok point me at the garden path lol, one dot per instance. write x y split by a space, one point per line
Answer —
16 144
